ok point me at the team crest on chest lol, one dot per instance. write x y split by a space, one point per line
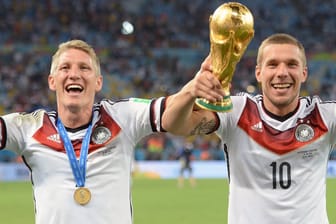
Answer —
101 135
304 133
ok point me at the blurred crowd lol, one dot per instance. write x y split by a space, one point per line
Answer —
150 48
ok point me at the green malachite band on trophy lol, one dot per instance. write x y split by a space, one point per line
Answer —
223 106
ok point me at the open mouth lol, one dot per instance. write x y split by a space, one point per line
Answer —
74 88
281 85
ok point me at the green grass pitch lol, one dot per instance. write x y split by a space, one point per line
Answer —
154 201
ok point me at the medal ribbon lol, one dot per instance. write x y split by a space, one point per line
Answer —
78 168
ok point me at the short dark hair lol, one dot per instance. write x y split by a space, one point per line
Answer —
281 38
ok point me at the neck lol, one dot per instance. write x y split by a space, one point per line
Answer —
75 119
280 107
281 115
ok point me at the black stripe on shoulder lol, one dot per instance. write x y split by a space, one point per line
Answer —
152 115
3 134
162 109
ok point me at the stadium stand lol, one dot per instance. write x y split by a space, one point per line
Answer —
169 40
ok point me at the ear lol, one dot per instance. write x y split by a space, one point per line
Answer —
51 83
304 75
257 73
99 83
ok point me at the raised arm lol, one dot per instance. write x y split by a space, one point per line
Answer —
182 116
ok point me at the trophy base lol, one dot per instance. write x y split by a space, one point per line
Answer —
223 106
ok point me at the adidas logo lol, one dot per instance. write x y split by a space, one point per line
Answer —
54 138
257 127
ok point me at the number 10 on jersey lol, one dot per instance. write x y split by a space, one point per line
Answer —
281 175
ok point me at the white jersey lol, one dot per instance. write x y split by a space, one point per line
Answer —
277 169
117 127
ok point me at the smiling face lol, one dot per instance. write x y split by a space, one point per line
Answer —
75 80
281 70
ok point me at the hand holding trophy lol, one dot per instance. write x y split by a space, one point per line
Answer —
231 31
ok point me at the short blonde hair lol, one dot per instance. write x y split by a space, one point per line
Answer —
75 44
281 38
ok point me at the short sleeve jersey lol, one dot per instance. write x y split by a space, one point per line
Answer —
117 127
277 169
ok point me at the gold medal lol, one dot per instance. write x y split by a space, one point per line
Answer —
82 195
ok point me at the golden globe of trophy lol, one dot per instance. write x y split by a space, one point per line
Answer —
231 31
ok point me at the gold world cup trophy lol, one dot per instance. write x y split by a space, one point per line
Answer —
231 31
